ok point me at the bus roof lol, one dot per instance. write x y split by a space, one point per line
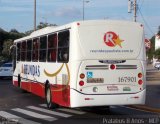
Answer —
52 29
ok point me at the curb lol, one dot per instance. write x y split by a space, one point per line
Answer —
145 108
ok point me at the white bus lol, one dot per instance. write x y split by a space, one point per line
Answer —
85 63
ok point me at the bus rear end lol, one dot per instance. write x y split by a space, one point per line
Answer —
111 64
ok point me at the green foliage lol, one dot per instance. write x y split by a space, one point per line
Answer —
150 52
7 38
39 26
158 30
157 54
43 25
14 31
6 48
28 32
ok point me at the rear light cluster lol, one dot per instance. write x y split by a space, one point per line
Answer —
81 82
140 81
112 67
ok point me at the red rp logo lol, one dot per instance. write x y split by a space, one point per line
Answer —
112 39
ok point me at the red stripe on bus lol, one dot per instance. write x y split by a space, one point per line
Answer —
15 83
61 97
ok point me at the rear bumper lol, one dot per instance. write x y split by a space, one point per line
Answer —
82 100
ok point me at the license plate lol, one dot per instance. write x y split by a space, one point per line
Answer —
95 80
112 88
127 79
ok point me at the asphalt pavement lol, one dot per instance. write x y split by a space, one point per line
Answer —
27 108
153 90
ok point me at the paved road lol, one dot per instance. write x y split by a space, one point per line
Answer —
27 108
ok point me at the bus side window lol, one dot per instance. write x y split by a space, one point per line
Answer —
63 47
52 48
35 50
18 51
43 46
29 50
23 51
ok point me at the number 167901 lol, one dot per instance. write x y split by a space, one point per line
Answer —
127 79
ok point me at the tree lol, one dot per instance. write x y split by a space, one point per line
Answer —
28 32
14 31
6 40
6 48
43 25
158 30
3 36
157 54
150 52
39 26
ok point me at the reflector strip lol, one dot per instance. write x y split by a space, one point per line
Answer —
96 67
126 67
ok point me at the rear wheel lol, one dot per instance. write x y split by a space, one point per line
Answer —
19 80
19 85
1 77
49 102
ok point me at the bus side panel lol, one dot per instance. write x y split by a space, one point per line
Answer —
35 88
38 89
26 86
61 95
15 83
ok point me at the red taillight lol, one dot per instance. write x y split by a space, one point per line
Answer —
112 67
140 75
81 83
140 82
87 98
78 24
82 76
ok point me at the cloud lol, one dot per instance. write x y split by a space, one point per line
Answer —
15 5
15 9
67 12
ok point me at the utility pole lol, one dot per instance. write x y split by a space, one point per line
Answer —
34 15
84 1
133 6
135 10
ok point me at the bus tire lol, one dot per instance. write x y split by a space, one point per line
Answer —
19 85
19 80
48 98
1 77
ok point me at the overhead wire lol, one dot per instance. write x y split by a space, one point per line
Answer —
146 23
141 4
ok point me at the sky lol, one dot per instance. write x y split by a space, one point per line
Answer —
18 14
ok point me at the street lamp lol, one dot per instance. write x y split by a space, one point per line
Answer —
84 1
34 15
